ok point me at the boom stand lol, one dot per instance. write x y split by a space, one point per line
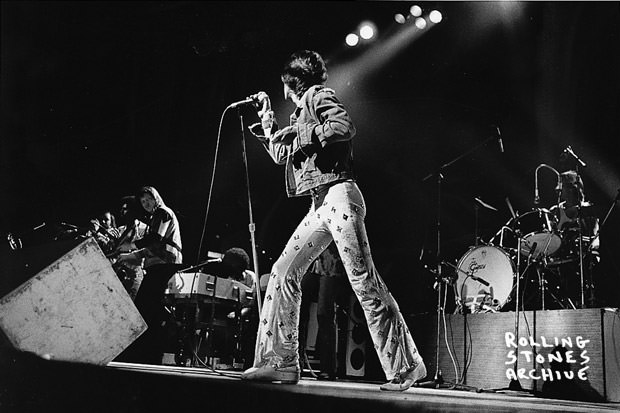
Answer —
514 384
438 379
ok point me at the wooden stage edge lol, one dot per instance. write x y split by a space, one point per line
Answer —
29 383
348 395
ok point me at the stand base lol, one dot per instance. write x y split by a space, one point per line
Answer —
513 386
439 383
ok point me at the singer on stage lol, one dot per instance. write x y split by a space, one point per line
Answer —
317 150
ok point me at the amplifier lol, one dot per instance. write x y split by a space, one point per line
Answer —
201 285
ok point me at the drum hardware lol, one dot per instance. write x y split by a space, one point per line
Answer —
541 265
479 202
538 226
485 302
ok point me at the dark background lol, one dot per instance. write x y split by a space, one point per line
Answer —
101 98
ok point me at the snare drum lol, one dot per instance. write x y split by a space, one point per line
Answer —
492 265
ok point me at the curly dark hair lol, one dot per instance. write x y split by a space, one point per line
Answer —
237 261
302 70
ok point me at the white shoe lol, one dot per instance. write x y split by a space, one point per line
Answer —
402 381
288 375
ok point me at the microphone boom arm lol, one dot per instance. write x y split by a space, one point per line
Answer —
536 195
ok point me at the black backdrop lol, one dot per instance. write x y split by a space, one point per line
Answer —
100 98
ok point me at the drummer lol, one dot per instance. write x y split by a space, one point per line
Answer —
575 216
579 230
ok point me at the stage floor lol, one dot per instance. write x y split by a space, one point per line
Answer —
29 383
347 395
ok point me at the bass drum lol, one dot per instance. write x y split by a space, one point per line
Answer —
479 266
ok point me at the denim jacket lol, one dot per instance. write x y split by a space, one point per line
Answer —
316 147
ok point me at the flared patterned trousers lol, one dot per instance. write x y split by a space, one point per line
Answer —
337 213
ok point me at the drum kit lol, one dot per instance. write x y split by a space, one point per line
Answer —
486 273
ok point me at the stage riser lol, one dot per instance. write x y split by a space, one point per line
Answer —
486 343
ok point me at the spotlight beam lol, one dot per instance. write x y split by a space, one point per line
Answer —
377 56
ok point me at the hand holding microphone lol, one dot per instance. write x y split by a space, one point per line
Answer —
265 113
262 98
254 99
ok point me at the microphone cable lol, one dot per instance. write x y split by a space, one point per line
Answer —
217 148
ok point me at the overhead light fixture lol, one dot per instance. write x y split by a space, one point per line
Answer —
435 16
352 39
416 11
367 30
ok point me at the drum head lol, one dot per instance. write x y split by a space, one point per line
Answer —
547 243
537 226
492 265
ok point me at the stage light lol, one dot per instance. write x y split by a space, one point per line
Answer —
420 23
367 31
352 39
400 19
416 11
435 16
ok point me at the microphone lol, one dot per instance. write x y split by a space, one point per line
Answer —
480 280
62 224
499 139
250 100
569 151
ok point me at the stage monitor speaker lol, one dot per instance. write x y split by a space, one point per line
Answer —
357 337
75 309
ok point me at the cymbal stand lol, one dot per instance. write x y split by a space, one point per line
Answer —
581 273
542 282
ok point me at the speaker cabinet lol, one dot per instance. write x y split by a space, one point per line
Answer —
357 338
75 309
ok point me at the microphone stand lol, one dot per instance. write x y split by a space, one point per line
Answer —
251 225
438 378
514 384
